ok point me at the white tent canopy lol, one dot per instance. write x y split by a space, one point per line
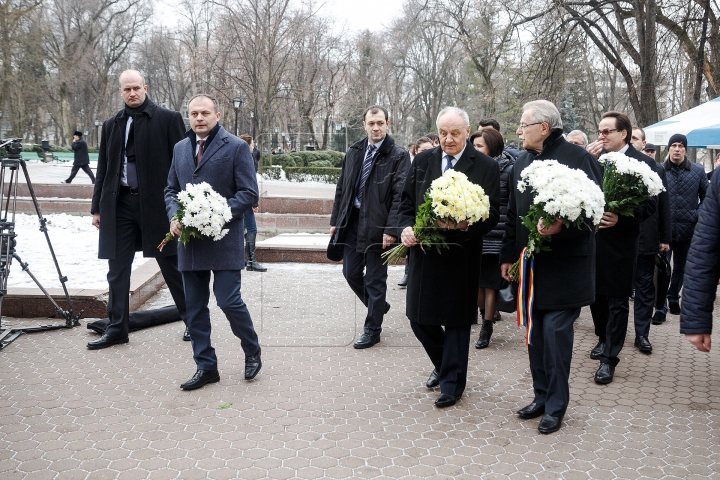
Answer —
701 126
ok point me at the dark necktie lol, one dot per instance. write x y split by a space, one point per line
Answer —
449 164
365 173
131 169
200 152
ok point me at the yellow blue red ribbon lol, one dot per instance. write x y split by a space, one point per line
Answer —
526 294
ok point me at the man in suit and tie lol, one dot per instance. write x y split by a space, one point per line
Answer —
209 154
135 154
364 215
442 287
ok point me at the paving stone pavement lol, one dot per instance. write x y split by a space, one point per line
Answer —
320 409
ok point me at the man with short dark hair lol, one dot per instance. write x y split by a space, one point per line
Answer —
617 248
135 156
638 138
82 159
364 215
649 150
687 186
210 154
492 123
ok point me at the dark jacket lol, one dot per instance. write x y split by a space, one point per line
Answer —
493 240
656 229
157 130
617 246
442 287
227 166
381 198
687 185
703 268
81 152
565 275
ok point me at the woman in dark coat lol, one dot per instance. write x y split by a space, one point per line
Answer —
491 143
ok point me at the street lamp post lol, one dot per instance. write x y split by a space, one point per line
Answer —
337 134
237 103
344 125
97 138
252 121
277 130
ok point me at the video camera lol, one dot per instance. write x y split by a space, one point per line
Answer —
11 147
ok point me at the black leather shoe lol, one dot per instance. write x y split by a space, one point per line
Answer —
597 351
446 400
387 307
658 318
674 308
549 424
367 340
186 335
403 282
643 344
201 378
106 341
604 374
253 364
531 411
486 332
433 381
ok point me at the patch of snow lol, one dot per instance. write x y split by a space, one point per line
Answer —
75 242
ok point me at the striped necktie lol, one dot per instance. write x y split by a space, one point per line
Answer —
201 144
365 173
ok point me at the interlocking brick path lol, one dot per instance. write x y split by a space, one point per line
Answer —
320 409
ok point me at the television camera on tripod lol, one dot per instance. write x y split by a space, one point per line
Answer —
11 162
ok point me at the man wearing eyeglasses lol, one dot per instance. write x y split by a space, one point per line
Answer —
564 277
617 249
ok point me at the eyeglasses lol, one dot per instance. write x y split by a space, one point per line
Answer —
606 132
523 126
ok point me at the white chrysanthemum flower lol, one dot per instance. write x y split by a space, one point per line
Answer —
455 198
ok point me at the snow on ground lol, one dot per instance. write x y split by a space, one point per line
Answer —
75 242
298 239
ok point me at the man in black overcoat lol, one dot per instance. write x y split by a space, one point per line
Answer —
564 277
364 215
617 248
128 203
81 160
442 287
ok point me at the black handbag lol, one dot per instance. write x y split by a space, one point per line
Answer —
506 301
335 250
661 279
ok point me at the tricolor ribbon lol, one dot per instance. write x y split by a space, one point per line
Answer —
526 294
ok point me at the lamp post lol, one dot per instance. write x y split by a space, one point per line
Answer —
97 139
283 139
1 124
252 121
237 103
344 125
337 134
277 130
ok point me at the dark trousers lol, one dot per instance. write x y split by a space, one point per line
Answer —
226 288
610 316
367 277
678 253
448 350
644 294
550 357
249 221
128 230
85 168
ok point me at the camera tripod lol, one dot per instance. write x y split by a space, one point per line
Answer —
8 204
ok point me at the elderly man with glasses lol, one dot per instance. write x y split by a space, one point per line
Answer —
564 277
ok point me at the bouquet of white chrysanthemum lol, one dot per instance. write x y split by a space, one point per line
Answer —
558 192
627 183
452 199
203 213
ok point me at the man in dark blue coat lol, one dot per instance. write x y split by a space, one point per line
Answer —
81 160
687 185
702 275
209 154
617 246
564 277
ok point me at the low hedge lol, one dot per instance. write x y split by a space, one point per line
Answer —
272 172
304 159
313 174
